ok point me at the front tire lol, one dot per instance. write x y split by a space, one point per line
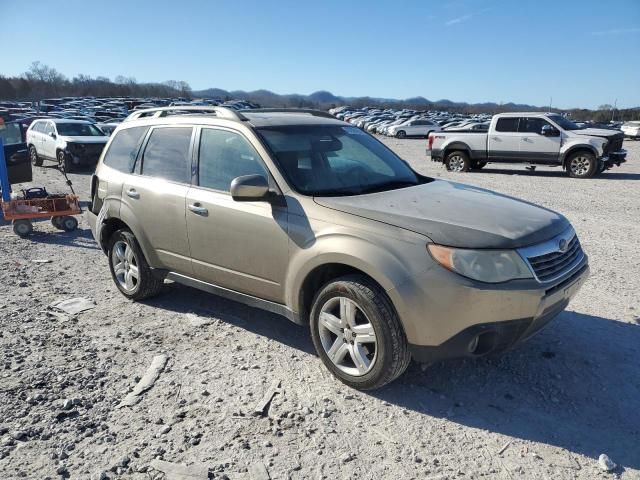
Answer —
129 269
582 165
401 134
23 228
357 333
457 161
64 162
33 155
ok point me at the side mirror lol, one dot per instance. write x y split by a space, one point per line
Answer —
250 188
53 135
549 131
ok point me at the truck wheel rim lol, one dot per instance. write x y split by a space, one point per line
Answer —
125 266
347 336
580 165
456 163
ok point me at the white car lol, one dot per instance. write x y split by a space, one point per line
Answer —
417 127
631 130
70 143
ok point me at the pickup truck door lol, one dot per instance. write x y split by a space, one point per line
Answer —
536 147
503 142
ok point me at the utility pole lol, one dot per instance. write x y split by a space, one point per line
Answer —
613 110
550 102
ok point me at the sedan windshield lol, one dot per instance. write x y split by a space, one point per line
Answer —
78 130
336 160
563 122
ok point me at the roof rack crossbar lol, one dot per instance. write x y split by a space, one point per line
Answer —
160 112
308 111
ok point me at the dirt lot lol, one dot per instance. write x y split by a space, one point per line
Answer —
546 410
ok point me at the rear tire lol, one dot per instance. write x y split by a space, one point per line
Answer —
582 165
22 228
129 269
33 155
376 350
457 161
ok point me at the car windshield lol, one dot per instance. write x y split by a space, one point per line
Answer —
336 160
78 130
563 122
10 133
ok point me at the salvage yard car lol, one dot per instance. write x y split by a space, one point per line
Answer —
533 138
70 143
309 217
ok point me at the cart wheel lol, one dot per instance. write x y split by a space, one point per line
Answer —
22 228
55 221
69 224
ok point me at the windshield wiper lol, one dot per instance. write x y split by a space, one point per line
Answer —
394 185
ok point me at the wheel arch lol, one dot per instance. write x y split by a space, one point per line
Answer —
455 146
583 147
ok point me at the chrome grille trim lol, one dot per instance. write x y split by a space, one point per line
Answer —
548 263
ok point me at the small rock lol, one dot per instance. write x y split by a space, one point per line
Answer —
605 463
164 430
347 457
67 404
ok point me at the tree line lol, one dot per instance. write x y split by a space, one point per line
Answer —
42 81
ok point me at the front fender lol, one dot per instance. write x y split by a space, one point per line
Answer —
389 262
570 148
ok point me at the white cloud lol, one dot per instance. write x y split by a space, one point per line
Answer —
616 31
461 19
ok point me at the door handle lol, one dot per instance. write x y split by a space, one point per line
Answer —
133 193
497 139
198 209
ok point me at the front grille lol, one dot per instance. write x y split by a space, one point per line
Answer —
614 144
554 264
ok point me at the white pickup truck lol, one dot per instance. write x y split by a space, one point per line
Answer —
533 138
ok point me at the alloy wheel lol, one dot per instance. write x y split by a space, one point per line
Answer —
456 163
580 165
347 336
125 266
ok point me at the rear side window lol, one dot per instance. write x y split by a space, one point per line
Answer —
225 155
48 128
507 124
167 154
124 149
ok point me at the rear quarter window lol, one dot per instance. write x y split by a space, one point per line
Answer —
124 149
507 124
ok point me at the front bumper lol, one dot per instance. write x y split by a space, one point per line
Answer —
448 316
615 158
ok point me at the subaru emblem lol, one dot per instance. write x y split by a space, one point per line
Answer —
563 245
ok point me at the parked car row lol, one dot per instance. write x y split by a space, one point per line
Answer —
409 123
72 131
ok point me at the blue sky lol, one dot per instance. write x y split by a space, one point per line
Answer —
580 52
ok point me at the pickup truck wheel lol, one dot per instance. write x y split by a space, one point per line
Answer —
33 155
129 269
401 134
582 165
357 333
457 161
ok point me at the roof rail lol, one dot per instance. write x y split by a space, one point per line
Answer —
308 111
160 112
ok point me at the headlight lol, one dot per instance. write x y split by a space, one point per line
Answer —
491 266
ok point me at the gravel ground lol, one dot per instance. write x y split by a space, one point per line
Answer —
545 410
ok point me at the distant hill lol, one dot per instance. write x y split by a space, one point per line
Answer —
324 99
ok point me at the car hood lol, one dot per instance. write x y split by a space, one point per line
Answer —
597 132
456 215
84 139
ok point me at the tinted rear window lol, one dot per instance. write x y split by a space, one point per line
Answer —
167 154
507 124
124 149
